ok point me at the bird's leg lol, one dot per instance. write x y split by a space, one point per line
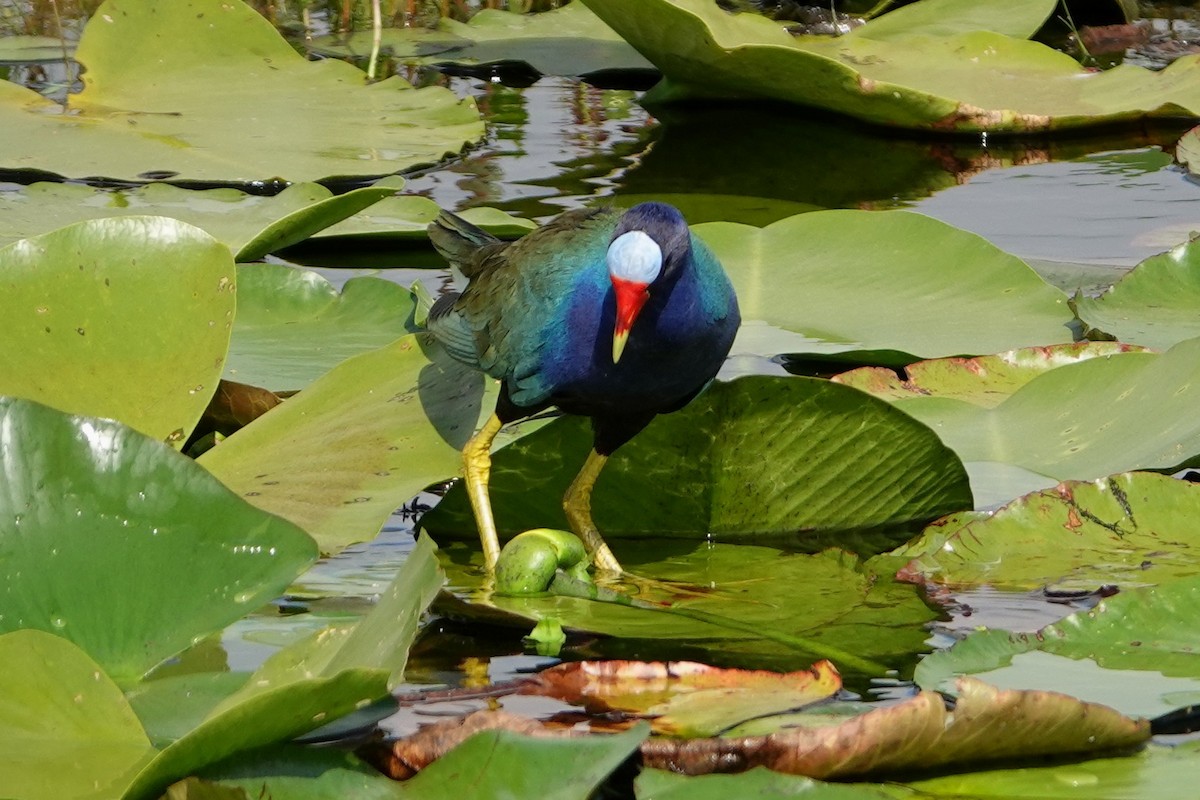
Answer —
477 467
577 503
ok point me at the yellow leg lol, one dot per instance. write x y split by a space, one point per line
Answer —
578 505
477 467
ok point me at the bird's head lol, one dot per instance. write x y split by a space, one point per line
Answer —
649 245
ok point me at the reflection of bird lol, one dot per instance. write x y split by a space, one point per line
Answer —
610 315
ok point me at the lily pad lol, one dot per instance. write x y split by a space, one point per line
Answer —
1084 420
949 17
34 49
371 434
292 772
293 326
251 225
1154 305
1133 529
570 40
123 318
380 640
264 718
114 541
204 90
836 460
496 763
982 724
1150 774
659 784
945 292
65 728
684 698
975 81
1135 650
406 218
985 381
723 604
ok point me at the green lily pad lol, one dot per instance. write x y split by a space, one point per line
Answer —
759 782
114 541
499 763
945 291
1143 629
927 18
1133 529
34 49
975 81
836 460
251 225
169 708
1082 421
380 640
293 326
263 718
370 434
206 90
985 381
749 600
65 728
1154 305
570 40
292 772
406 218
122 318
1153 773
1136 651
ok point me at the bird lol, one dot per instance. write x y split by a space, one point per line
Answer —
614 315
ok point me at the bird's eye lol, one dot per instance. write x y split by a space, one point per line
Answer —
635 257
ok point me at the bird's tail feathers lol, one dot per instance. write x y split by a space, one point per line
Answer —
458 240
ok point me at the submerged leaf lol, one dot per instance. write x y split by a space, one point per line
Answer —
725 604
121 318
1132 529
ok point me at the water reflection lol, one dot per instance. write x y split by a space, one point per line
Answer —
1111 198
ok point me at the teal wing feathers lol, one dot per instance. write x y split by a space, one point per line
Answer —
502 322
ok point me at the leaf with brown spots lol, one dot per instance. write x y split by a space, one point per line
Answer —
684 698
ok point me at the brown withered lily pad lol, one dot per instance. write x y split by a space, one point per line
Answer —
684 698
981 724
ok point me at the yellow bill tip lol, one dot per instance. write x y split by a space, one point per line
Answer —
619 340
